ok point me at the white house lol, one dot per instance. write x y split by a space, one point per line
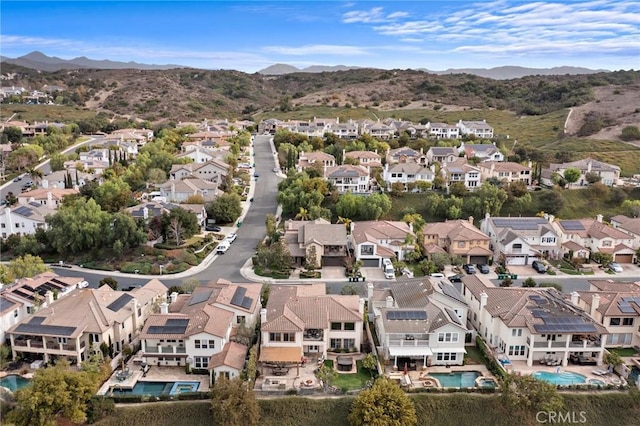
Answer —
609 173
461 171
505 171
348 178
407 173
480 129
486 152
24 219
376 240
443 131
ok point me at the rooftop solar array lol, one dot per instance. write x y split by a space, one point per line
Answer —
120 302
572 225
406 315
35 326
172 326
624 304
239 298
565 328
199 297
5 304
451 291
452 314
23 294
24 211
522 224
540 300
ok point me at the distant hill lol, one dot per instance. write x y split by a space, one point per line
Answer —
41 62
281 69
511 72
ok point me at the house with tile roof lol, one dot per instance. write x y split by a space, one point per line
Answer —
457 238
461 171
505 171
315 159
596 237
419 321
407 173
177 191
137 136
443 131
629 225
348 178
24 219
198 155
521 240
27 295
376 240
78 179
406 155
442 154
609 173
85 319
532 325
615 305
479 129
213 171
193 328
306 321
364 158
348 130
49 197
485 151
317 238
379 130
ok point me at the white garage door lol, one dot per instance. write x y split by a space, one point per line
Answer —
517 260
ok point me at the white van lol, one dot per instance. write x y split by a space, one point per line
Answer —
222 248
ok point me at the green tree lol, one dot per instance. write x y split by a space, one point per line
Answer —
189 285
350 290
375 206
630 133
612 358
370 363
233 403
113 195
57 162
27 266
79 227
6 274
225 209
13 134
529 394
110 281
507 282
571 175
382 405
326 375
529 282
593 177
179 224
55 392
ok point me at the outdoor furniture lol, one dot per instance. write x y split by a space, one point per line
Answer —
280 371
600 372
345 363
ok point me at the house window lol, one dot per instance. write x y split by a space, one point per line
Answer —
349 343
336 326
94 338
366 250
350 326
275 337
335 343
548 240
461 244
447 337
201 362
517 246
288 337
446 356
516 332
606 243
241 319
627 321
15 313
62 340
614 321
516 350
31 309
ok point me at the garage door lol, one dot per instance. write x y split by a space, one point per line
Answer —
517 260
370 263
624 258
479 260
331 261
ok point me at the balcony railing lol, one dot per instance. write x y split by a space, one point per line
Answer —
408 343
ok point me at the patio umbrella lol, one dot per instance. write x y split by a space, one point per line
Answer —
406 370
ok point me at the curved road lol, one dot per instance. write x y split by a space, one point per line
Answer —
251 232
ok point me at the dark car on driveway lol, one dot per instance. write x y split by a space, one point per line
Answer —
455 278
539 267
484 269
213 228
469 268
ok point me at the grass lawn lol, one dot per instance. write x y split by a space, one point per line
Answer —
350 381
473 356
623 351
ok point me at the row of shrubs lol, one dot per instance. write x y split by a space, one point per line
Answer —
135 399
489 360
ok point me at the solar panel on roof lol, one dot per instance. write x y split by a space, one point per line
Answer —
521 224
238 295
36 320
57 281
120 302
55 330
625 308
200 297
5 304
572 225
23 294
177 322
451 291
406 315
247 302
452 314
24 211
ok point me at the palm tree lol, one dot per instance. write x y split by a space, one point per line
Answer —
303 214
347 223
36 175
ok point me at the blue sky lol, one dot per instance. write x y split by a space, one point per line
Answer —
251 35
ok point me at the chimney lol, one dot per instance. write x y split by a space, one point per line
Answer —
173 297
145 213
134 317
50 200
369 291
344 155
361 305
164 308
263 316
595 304
483 299
48 297
574 298
599 218
471 220
389 302
551 218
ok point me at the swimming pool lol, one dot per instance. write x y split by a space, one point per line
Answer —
14 382
563 379
158 388
596 382
457 379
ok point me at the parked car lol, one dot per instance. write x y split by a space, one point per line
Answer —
457 278
213 228
469 268
222 248
615 267
437 275
231 238
539 266
484 269
18 179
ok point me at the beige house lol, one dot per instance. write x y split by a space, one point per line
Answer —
212 171
315 159
193 328
615 305
376 240
364 158
50 197
629 226
177 191
457 238
348 178
505 171
327 241
305 320
609 173
85 320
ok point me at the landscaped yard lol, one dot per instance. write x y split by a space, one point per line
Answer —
473 356
351 381
624 351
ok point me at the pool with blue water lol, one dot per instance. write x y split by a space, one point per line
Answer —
14 382
457 379
564 378
158 388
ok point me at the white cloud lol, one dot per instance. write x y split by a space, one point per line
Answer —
373 15
317 49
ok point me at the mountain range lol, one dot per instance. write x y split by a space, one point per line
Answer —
40 61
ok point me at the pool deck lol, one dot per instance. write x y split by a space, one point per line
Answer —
521 367
155 374
417 378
